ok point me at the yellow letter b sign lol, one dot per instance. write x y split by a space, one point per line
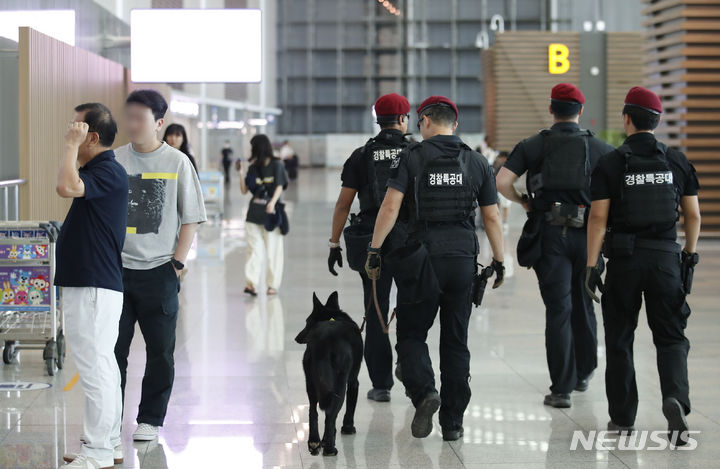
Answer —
558 62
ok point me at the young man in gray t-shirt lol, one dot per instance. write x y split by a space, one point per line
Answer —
165 207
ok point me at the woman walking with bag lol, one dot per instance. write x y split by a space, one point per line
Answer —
265 179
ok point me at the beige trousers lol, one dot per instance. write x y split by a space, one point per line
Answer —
262 245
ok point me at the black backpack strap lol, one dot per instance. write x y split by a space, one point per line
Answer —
625 151
662 150
367 146
587 134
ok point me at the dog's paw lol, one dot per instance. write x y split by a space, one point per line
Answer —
330 451
314 447
346 430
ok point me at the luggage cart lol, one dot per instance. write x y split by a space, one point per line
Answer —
30 312
212 185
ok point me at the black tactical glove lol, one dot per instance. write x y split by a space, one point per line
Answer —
593 280
687 269
335 257
499 269
372 265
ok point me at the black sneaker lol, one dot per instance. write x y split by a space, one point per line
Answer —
379 395
560 401
422 423
453 435
583 384
398 375
620 429
677 425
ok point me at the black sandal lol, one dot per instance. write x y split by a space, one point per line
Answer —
250 291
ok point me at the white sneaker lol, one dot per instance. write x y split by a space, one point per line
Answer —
85 462
145 432
117 455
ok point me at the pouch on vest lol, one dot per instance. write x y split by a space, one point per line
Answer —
413 273
569 215
529 247
444 191
648 195
565 164
619 245
357 238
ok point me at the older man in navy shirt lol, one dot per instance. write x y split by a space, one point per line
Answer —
89 268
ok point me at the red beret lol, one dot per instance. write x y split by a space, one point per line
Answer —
644 98
392 105
567 92
435 100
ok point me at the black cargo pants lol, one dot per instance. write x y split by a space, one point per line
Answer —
656 276
151 300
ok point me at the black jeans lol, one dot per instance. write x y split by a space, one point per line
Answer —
378 351
570 324
455 276
226 169
656 275
151 300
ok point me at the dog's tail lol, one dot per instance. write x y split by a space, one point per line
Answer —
332 374
325 377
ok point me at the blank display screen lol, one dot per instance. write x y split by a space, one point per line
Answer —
196 46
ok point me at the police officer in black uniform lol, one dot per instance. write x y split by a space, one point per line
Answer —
366 173
636 191
559 163
438 183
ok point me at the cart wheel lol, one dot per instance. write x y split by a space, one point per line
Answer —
60 350
9 352
51 367
50 355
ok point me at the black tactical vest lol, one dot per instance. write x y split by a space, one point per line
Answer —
443 189
378 156
565 164
648 196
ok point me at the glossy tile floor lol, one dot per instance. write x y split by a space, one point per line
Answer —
239 398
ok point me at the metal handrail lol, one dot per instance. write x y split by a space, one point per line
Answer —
5 186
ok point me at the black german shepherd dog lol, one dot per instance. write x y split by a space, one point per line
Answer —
331 362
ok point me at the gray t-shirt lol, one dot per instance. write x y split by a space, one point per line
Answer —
164 194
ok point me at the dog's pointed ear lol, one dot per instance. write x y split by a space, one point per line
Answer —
332 301
316 302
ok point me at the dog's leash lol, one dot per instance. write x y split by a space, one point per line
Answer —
377 310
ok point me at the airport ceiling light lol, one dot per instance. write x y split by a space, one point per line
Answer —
196 46
184 107
392 9
59 24
258 122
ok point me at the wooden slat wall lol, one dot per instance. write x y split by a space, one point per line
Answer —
624 70
489 93
682 65
53 78
521 84
517 83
